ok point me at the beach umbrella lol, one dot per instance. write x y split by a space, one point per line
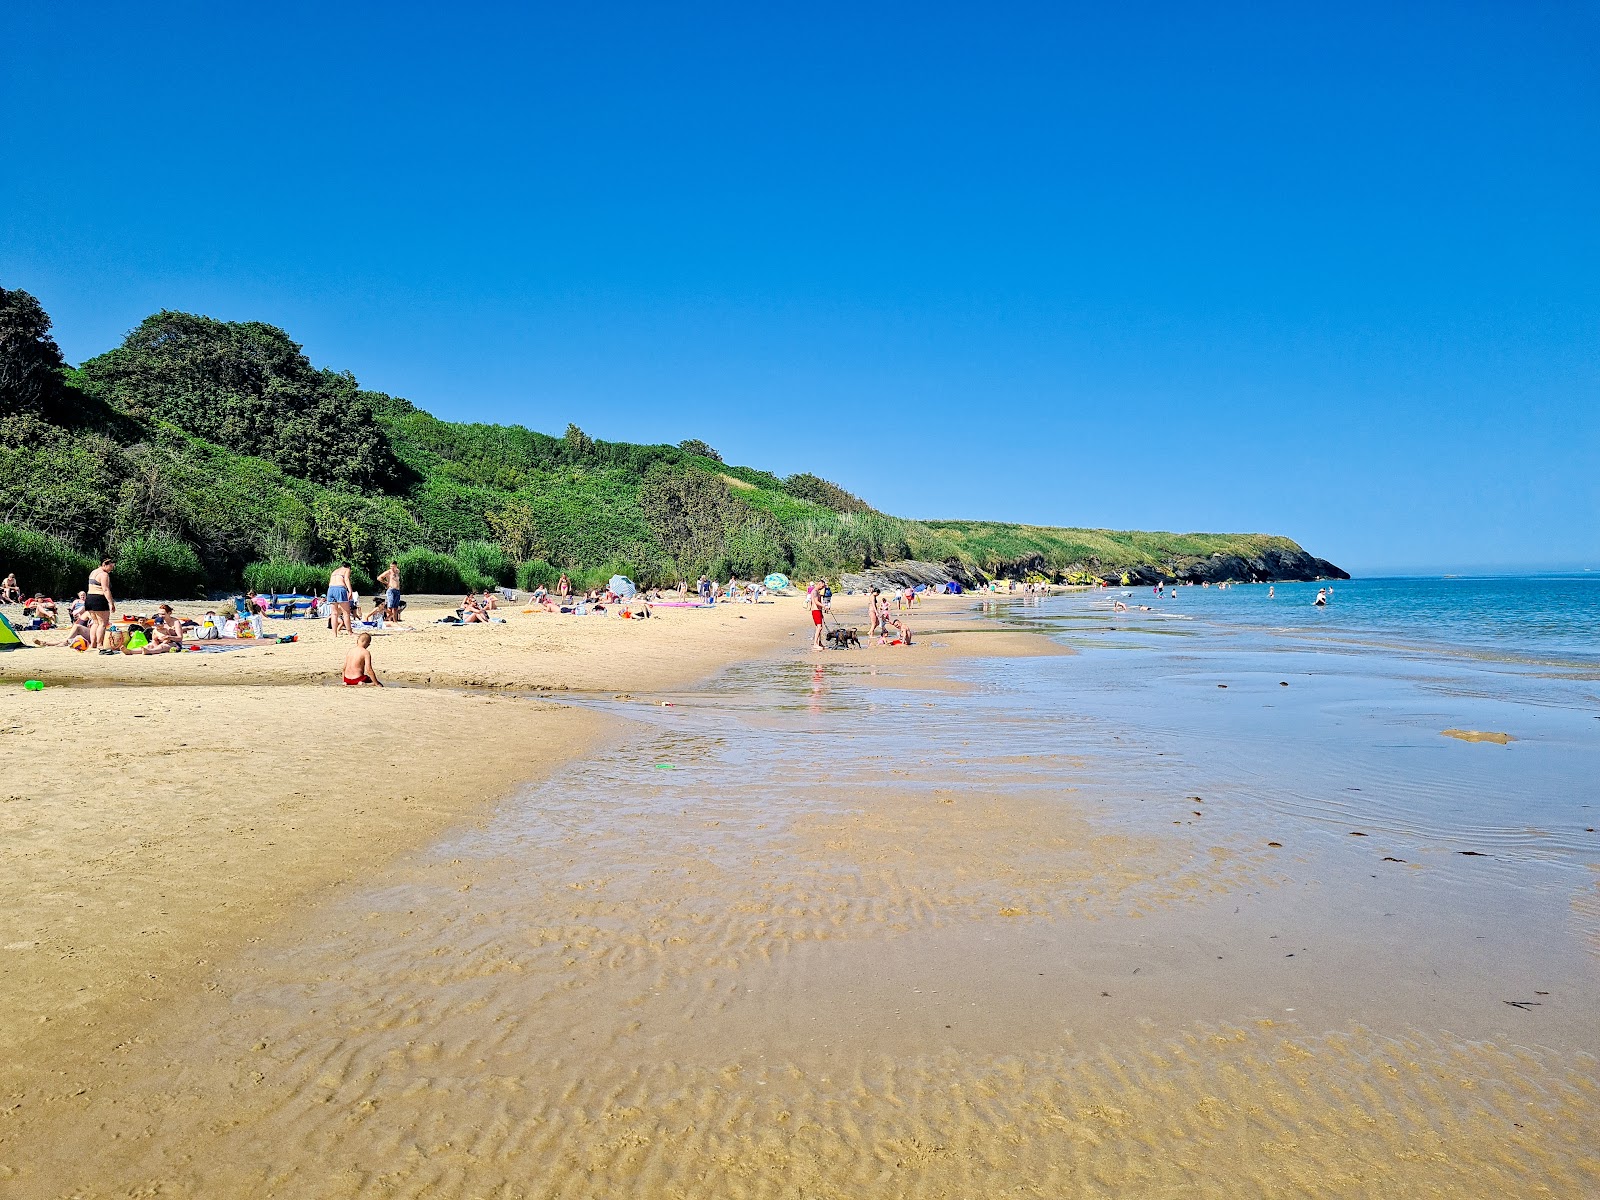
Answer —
621 585
777 581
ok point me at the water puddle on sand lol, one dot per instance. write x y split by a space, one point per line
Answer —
806 934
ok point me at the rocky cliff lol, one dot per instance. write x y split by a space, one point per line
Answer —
1270 566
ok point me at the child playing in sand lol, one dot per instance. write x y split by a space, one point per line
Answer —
358 668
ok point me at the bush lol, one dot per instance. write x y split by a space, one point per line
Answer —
156 566
277 576
306 579
536 573
43 564
484 560
429 571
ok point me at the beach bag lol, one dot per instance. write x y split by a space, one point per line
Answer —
137 640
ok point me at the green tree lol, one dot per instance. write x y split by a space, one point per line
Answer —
696 446
30 361
247 386
579 443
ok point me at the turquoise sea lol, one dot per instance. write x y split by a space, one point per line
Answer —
1537 618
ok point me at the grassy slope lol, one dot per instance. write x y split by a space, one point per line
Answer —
585 505
984 542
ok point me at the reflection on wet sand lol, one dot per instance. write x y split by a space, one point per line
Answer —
805 935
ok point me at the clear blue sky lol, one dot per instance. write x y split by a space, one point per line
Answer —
1331 271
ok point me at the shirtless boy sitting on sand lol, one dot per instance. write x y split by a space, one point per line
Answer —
358 668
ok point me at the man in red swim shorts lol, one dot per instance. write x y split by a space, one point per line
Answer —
358 668
814 606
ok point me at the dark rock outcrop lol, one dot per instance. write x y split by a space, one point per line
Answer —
907 573
1271 566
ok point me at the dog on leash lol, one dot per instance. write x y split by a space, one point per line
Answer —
843 638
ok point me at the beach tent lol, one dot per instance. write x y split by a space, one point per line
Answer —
777 581
622 586
8 636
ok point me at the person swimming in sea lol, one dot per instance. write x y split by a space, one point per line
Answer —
1322 598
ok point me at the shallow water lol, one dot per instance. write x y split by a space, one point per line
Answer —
850 927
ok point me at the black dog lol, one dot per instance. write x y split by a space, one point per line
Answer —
843 638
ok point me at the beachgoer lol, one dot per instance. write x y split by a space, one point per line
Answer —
10 591
165 633
98 603
390 582
358 668
1271 591
42 608
899 627
339 598
563 586
814 607
1322 598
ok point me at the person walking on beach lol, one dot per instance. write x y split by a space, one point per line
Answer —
814 607
390 581
339 598
98 603
563 586
358 668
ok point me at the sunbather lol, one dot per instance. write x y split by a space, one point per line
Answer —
77 637
166 634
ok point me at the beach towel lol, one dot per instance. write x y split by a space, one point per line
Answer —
676 604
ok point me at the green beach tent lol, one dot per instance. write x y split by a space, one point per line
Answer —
8 636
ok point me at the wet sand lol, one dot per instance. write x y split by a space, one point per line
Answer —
855 925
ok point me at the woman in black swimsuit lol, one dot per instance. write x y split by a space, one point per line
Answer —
98 604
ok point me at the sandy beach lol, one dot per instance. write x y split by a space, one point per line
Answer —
162 811
843 924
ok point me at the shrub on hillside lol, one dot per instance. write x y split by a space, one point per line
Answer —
42 563
247 386
820 491
305 579
429 571
536 573
156 566
485 560
278 577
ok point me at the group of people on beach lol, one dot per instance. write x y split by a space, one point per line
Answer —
890 630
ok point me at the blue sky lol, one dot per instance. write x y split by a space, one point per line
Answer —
1333 274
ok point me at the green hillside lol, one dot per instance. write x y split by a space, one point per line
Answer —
206 454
